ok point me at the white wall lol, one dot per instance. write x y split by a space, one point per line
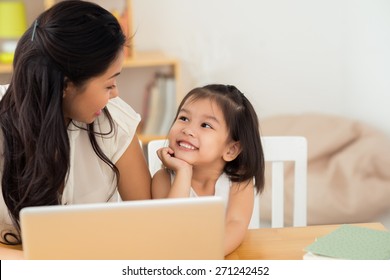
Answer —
287 56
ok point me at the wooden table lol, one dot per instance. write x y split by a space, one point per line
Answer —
265 243
283 243
11 252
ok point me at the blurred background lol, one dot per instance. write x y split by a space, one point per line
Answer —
315 68
287 56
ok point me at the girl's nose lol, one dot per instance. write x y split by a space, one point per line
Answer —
188 131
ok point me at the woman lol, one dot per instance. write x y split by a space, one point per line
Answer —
65 136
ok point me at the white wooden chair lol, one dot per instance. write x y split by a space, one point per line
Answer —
154 162
277 151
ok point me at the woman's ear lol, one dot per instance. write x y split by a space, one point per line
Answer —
233 149
68 87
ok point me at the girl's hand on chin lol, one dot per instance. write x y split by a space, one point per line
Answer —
167 156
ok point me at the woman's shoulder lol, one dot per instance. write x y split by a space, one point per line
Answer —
118 107
124 116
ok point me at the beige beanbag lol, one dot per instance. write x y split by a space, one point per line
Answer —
348 168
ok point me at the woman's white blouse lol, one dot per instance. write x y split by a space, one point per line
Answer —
89 179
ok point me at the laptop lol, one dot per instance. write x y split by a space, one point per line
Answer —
159 229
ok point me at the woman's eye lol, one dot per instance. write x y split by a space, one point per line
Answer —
111 87
182 118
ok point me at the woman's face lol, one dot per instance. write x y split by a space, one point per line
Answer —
85 104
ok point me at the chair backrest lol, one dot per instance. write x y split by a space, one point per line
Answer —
277 151
154 162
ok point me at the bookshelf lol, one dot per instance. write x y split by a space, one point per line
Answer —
145 62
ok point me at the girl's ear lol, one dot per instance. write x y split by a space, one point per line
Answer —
232 151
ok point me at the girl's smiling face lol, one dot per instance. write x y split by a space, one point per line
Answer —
199 134
85 104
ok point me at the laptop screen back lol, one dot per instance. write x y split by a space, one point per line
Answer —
180 228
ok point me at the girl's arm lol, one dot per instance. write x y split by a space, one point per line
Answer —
135 180
181 185
238 215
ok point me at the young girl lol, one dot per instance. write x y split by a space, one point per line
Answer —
214 149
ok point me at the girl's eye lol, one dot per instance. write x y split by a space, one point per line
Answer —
111 87
206 125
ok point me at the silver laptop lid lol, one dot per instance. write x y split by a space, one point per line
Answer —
179 228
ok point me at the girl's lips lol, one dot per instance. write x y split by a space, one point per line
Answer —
98 113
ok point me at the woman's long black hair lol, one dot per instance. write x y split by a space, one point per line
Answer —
75 41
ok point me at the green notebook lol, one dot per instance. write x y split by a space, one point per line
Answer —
353 243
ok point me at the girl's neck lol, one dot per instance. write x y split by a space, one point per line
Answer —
203 180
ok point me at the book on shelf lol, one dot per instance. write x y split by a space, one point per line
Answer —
159 105
349 242
169 99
